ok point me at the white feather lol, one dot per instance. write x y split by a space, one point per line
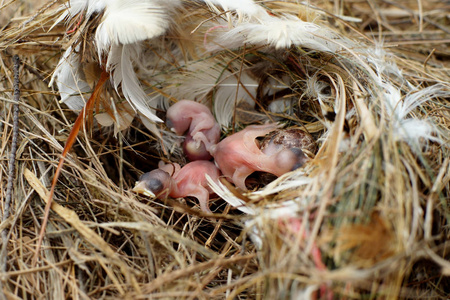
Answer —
382 62
413 130
289 181
130 21
414 99
288 208
196 82
407 129
70 9
230 92
121 65
248 7
74 7
209 76
223 192
282 33
125 23
68 79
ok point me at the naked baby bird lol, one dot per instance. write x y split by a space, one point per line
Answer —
239 155
174 181
196 122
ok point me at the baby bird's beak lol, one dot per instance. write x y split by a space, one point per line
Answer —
141 188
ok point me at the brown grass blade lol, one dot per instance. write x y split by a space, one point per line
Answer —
70 141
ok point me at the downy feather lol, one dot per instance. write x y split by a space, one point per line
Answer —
131 21
282 33
74 7
121 65
205 77
407 129
230 92
221 190
248 7
68 79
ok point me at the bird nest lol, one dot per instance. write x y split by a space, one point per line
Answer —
366 216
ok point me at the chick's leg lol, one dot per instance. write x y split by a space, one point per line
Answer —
240 175
202 196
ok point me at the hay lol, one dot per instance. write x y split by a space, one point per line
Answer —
368 217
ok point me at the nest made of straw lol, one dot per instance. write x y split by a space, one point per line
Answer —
367 217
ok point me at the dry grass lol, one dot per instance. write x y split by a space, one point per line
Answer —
372 221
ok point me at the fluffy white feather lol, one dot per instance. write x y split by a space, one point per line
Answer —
407 129
416 98
130 21
68 79
248 7
282 33
196 82
229 92
74 7
210 76
120 63
222 191
70 9
289 181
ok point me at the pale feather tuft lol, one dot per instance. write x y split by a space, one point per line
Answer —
203 78
121 65
230 92
282 33
75 7
70 9
131 21
221 190
411 130
69 81
248 7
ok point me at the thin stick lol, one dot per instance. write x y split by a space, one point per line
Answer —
12 159
70 141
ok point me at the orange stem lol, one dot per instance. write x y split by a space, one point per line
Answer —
70 141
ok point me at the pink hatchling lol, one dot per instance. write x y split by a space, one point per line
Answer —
174 181
196 122
239 155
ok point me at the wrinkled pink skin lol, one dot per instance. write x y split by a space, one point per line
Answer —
196 122
238 155
180 182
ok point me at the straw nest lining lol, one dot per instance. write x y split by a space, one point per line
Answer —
367 217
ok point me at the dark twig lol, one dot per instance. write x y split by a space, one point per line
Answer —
12 161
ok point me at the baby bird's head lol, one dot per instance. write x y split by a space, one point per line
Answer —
156 183
290 159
